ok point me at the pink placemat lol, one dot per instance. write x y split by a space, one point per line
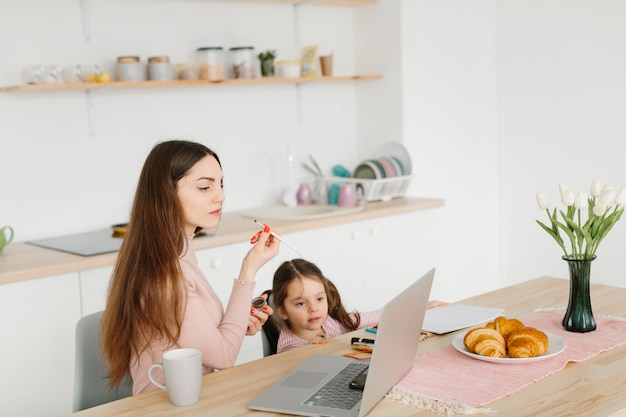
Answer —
445 380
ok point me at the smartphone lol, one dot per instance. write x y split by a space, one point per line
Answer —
358 382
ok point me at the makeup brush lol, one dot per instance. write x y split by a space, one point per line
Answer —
262 226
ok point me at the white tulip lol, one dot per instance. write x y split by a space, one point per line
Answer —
608 196
567 198
563 188
599 209
542 201
620 198
596 188
581 200
607 187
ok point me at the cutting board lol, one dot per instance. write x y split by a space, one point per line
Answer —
84 244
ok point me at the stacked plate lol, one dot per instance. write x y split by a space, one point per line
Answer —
396 162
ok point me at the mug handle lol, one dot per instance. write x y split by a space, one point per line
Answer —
10 229
154 381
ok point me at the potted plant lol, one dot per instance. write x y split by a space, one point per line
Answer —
267 62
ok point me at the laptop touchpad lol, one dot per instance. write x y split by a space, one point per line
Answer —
304 379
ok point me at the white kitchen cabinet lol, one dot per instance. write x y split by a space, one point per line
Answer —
398 250
94 286
371 261
37 319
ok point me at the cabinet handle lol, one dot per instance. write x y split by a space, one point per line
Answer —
356 235
216 263
374 231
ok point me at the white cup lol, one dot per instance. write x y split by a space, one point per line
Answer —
182 369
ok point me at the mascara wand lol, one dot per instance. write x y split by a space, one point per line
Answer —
262 226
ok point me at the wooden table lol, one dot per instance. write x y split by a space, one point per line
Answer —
596 387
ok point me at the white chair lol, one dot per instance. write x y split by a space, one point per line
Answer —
90 383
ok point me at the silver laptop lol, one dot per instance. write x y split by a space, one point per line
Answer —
304 391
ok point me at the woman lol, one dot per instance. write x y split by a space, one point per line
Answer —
158 298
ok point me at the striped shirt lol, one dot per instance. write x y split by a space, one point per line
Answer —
287 340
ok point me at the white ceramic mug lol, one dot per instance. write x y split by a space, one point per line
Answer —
182 369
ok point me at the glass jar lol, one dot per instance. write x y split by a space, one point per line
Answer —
242 62
129 68
187 71
35 74
211 61
160 68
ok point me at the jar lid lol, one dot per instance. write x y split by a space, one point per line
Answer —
210 48
239 48
163 58
127 59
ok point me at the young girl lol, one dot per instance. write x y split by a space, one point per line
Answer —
310 307
158 297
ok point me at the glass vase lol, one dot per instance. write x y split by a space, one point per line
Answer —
579 316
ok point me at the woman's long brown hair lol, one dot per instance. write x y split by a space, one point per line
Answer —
296 269
147 294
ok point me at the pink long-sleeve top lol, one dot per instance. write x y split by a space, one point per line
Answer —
218 334
287 340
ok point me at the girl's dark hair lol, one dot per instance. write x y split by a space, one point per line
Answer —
297 269
147 295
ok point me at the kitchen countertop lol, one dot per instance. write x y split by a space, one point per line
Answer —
22 261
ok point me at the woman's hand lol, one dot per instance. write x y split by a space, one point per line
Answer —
258 318
265 247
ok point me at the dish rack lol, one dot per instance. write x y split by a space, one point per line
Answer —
383 189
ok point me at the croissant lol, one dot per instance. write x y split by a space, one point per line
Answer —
485 342
526 342
505 326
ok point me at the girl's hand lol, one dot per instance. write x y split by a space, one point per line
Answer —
436 303
319 341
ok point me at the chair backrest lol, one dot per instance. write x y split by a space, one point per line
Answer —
91 387
271 329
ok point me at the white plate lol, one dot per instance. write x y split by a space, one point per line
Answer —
398 151
556 345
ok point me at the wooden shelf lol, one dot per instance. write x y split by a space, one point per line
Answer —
159 84
312 2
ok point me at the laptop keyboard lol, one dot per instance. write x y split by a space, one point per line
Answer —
335 393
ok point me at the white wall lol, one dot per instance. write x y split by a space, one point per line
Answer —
562 85
55 179
502 99
449 83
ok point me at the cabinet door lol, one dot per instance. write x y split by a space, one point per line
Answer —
94 287
338 252
397 250
38 319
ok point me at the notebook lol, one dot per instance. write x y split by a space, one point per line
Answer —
454 317
394 352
